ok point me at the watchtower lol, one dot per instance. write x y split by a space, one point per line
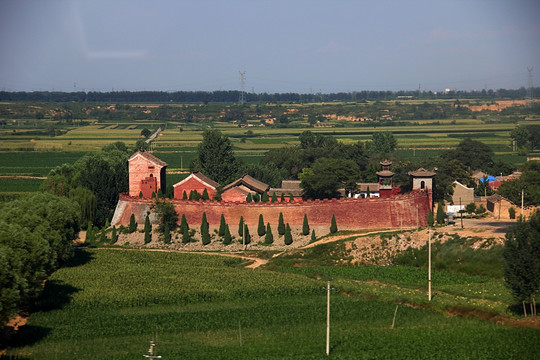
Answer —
423 180
146 174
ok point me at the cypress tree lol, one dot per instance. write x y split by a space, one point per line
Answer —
274 197
222 225
291 198
261 230
313 237
114 236
430 220
256 197
132 224
264 197
184 195
282 197
160 194
183 224
205 195
249 198
103 236
227 239
440 213
153 195
241 226
247 237
89 233
147 230
305 226
205 234
333 225
288 235
185 235
268 238
166 234
140 194
281 225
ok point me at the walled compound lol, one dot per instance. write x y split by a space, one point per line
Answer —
389 209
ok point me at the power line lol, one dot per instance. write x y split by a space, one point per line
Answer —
242 86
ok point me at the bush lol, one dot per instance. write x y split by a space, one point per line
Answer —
268 238
305 226
512 213
281 225
288 235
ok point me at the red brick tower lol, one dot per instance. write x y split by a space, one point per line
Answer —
146 174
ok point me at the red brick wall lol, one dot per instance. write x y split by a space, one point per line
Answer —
139 169
193 184
149 186
406 210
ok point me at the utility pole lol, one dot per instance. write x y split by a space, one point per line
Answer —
461 213
242 86
429 264
328 288
522 198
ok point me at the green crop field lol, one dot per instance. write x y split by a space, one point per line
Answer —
109 304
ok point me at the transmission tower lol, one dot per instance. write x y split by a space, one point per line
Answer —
530 86
242 99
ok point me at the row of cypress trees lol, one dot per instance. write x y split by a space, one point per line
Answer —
224 231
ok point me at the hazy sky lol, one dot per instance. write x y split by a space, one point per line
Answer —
283 46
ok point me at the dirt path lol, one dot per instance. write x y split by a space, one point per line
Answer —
333 238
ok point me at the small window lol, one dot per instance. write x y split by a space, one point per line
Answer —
150 166
151 175
422 184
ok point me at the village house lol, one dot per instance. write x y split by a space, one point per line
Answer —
198 182
239 189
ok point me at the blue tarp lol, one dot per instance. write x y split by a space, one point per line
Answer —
489 179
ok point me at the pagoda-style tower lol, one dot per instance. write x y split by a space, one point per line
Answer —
386 181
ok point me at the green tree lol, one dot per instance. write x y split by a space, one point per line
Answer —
264 197
205 233
430 219
87 203
166 234
470 208
305 226
313 236
147 230
281 225
215 157
282 197
384 142
269 237
166 213
227 239
274 197
186 238
333 225
521 135
184 195
222 225
326 176
482 159
241 226
261 230
288 235
440 213
132 224
522 258
205 195
146 133
114 235
256 197
247 237
249 198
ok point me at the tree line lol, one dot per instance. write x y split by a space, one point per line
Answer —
234 95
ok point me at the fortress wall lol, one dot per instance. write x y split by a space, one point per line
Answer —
406 210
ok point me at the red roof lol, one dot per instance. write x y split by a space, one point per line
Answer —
201 177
